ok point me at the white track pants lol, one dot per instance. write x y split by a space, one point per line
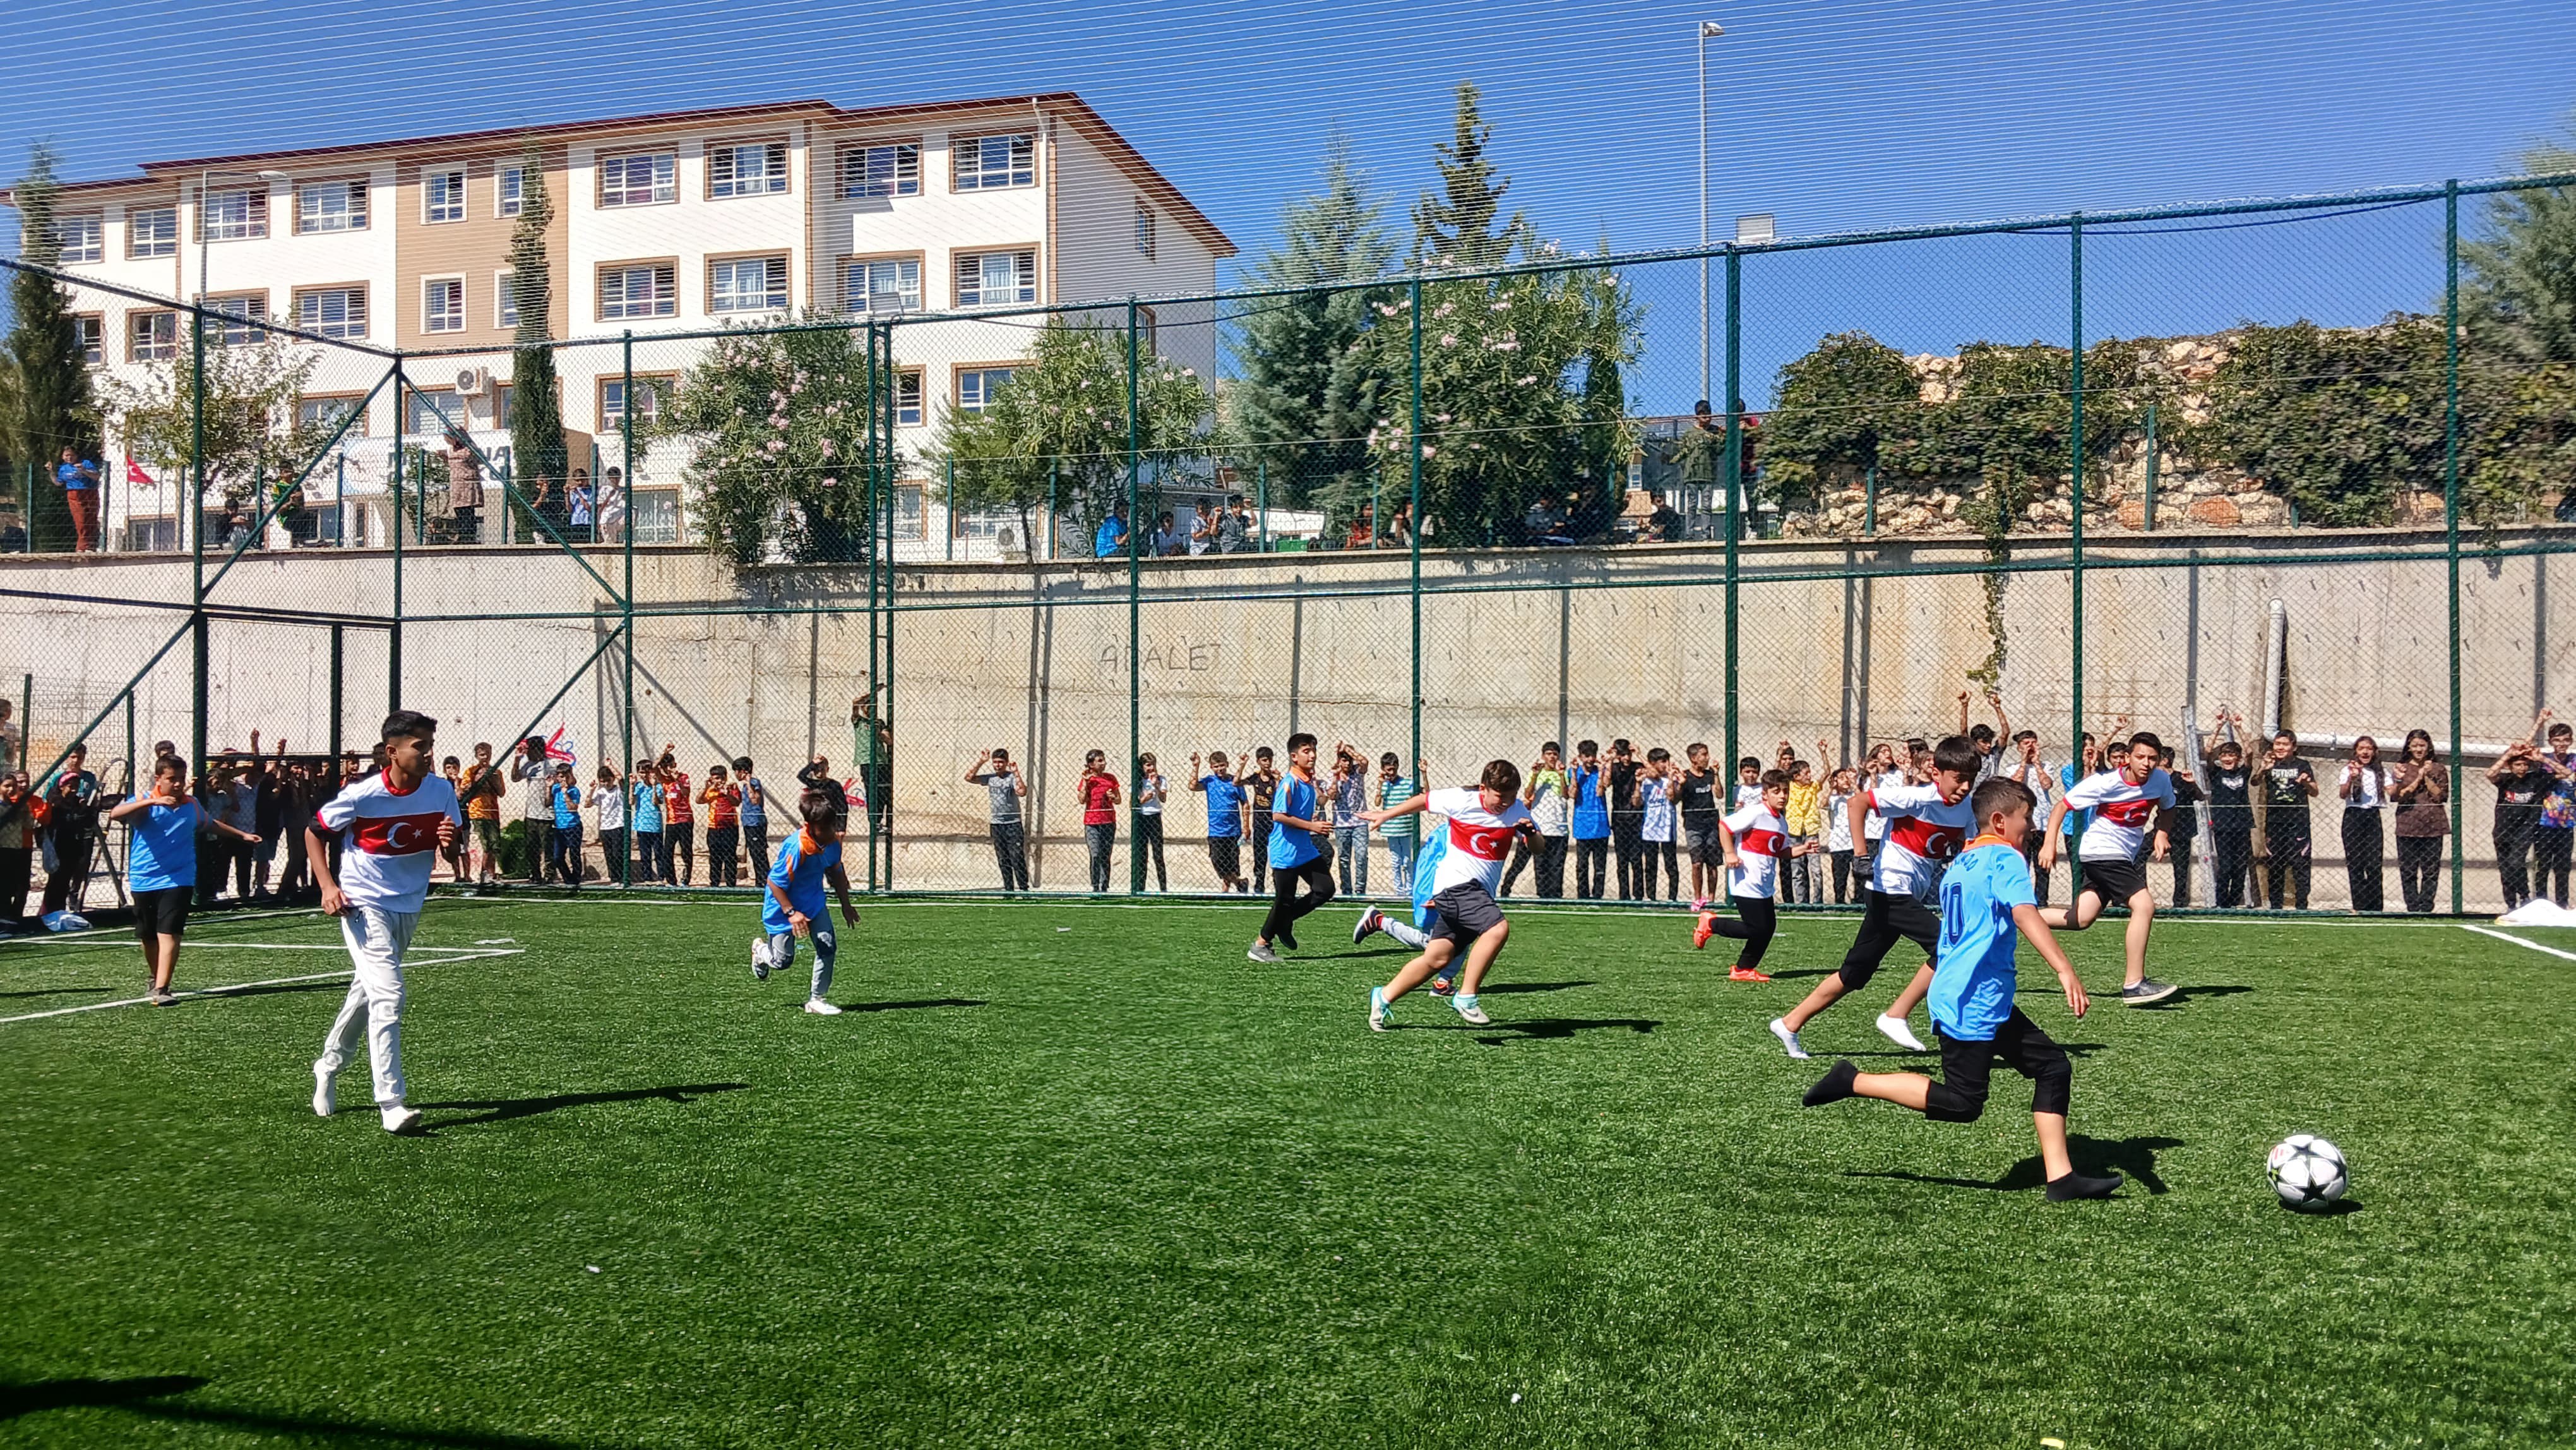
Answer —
377 940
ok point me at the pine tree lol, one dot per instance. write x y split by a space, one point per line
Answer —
1296 404
55 409
536 400
1461 227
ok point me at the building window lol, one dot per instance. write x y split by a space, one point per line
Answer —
434 410
442 304
505 298
638 180
1145 337
332 311
986 279
92 330
509 190
991 163
881 284
612 402
907 398
151 336
747 284
331 206
505 396
78 235
237 215
893 169
1145 230
234 321
976 387
326 414
756 168
648 289
911 517
442 195
152 231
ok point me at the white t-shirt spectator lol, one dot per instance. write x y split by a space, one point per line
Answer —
1837 821
389 838
1920 830
1761 839
1547 807
2121 812
610 802
1479 840
1659 796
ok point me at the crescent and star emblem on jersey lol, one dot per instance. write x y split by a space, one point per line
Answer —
1485 843
399 835
2128 813
1765 843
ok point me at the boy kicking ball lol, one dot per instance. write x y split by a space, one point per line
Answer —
1985 897
1483 824
794 906
390 828
2124 804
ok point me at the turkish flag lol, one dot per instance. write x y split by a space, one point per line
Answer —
399 835
134 474
1485 843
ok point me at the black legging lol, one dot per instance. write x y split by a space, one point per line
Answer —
1756 919
1627 847
2285 871
1668 852
1286 905
2550 850
1591 867
2419 870
1149 839
2232 866
2365 848
679 851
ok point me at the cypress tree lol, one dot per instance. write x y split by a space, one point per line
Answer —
55 409
536 400
1461 227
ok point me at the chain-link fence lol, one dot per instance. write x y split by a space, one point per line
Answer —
2218 474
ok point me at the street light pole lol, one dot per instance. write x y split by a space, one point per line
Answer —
1708 30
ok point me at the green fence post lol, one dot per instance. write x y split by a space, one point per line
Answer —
196 525
339 660
884 700
626 606
1734 485
2147 519
947 509
1413 465
1135 617
2075 404
1869 505
26 716
1054 466
876 619
1261 501
393 525
2451 510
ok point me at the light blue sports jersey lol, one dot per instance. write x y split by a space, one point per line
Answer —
1972 975
799 873
1426 875
1290 847
163 853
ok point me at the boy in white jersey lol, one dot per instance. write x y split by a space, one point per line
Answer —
391 827
1482 826
1925 824
2124 802
1756 841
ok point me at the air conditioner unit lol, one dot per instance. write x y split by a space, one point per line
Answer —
473 382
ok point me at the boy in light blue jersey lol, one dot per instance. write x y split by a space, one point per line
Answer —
793 904
1985 897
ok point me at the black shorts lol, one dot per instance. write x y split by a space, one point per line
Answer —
1225 853
1885 920
2114 881
1702 844
163 912
1967 1069
1467 911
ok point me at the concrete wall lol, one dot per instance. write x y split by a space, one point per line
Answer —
1517 647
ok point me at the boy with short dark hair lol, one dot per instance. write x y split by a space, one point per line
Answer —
1748 783
1756 841
2124 802
1297 830
1261 783
1482 826
1985 898
1700 811
1225 802
792 905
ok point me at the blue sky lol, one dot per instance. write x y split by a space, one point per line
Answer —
1833 114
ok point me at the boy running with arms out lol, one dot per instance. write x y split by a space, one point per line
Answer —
391 826
2124 802
1297 827
793 905
1755 840
1482 826
1985 897
1925 824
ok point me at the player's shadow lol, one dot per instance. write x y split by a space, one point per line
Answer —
60 992
2133 1158
314 1429
64 1394
922 1003
502 1110
2194 994
1557 1028
1508 988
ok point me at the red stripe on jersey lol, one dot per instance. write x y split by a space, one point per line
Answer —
398 835
1485 843
1925 839
2127 813
1761 842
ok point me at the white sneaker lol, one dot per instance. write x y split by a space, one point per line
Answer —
400 1119
1788 1039
1895 1030
1379 1007
760 960
1468 1009
326 1092
821 1008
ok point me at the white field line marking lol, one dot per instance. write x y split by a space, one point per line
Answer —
2518 941
455 954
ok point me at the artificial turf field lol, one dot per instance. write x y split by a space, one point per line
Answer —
1080 1175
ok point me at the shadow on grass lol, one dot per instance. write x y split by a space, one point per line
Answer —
1508 988
27 1399
355 1431
502 1110
2134 1158
1558 1028
60 992
925 1002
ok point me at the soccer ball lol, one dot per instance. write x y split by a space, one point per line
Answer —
2307 1171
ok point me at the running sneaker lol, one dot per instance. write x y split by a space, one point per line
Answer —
1366 926
1788 1039
2146 991
1287 939
1895 1030
400 1119
1468 1009
760 959
1379 1009
163 997
1262 953
821 1008
1707 928
1747 974
2073 1186
326 1092
1442 986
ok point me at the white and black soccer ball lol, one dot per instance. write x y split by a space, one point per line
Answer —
2307 1171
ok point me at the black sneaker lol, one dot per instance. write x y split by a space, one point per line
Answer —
1834 1086
2076 1185
2146 992
1287 939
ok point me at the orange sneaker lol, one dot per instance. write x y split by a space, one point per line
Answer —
1707 928
1747 974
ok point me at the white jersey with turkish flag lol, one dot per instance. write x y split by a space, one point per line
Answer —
1480 841
389 838
1761 840
1921 829
2122 812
